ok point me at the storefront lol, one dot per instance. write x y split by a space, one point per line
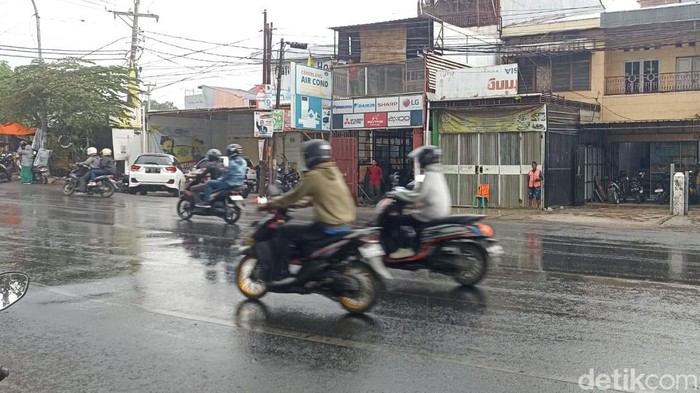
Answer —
495 141
384 129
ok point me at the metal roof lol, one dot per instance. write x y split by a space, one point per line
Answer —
383 23
201 112
662 14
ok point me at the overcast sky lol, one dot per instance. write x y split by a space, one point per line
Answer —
86 25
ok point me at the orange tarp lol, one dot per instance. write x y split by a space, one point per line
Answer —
12 128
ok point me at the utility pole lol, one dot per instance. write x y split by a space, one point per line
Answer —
279 74
266 58
38 31
147 108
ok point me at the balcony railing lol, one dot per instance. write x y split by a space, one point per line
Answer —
378 80
652 83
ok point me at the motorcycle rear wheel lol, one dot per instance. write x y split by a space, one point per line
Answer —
475 268
106 190
365 298
233 213
248 278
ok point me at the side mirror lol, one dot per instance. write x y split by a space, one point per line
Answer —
13 286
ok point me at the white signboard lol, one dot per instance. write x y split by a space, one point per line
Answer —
388 104
313 82
411 103
342 106
354 121
365 105
466 83
399 119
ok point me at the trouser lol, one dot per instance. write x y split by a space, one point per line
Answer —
375 190
98 172
288 234
197 192
82 185
417 225
26 175
211 186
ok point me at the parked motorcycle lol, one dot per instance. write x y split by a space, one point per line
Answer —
105 185
636 190
661 191
288 179
347 267
457 246
40 173
616 192
13 286
224 203
7 166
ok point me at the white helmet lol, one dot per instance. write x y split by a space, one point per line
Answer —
91 151
106 152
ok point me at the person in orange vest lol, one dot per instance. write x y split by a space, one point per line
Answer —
534 185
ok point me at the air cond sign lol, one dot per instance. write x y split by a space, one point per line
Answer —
466 83
313 82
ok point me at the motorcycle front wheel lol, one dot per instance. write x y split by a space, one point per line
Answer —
249 278
69 188
184 209
474 268
363 299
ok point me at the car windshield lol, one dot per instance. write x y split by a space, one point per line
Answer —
154 160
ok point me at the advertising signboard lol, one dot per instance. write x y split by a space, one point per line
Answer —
312 90
264 124
382 112
466 83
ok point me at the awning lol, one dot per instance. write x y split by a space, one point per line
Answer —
16 129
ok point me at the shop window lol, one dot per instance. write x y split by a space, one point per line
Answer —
571 72
641 76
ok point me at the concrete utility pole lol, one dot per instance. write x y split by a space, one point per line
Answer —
146 109
38 31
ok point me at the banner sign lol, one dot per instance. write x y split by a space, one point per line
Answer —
264 124
266 97
466 83
382 112
282 120
487 120
312 91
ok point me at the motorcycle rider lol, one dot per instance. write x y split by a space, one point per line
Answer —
92 162
334 208
213 166
107 166
431 197
233 177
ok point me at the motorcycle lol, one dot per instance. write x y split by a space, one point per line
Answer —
346 268
616 193
40 173
288 179
636 190
13 286
105 185
457 246
7 166
224 203
661 190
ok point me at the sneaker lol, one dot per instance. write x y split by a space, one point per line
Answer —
203 205
402 253
92 184
283 282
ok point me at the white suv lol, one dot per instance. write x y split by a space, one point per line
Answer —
156 172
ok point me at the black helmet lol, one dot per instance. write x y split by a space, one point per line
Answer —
213 154
426 155
315 152
234 150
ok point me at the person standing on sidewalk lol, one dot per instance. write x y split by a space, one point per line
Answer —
534 185
26 161
375 180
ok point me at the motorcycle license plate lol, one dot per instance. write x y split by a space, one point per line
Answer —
372 251
659 190
235 197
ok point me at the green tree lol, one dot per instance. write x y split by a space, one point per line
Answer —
77 98
162 106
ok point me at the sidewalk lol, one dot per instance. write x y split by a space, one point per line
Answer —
629 216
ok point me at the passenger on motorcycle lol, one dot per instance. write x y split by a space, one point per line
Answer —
431 197
234 176
107 166
212 167
92 162
334 208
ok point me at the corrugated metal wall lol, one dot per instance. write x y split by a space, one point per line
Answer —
559 168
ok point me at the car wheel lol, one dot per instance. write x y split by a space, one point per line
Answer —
143 192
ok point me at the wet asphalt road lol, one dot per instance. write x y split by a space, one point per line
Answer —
127 298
